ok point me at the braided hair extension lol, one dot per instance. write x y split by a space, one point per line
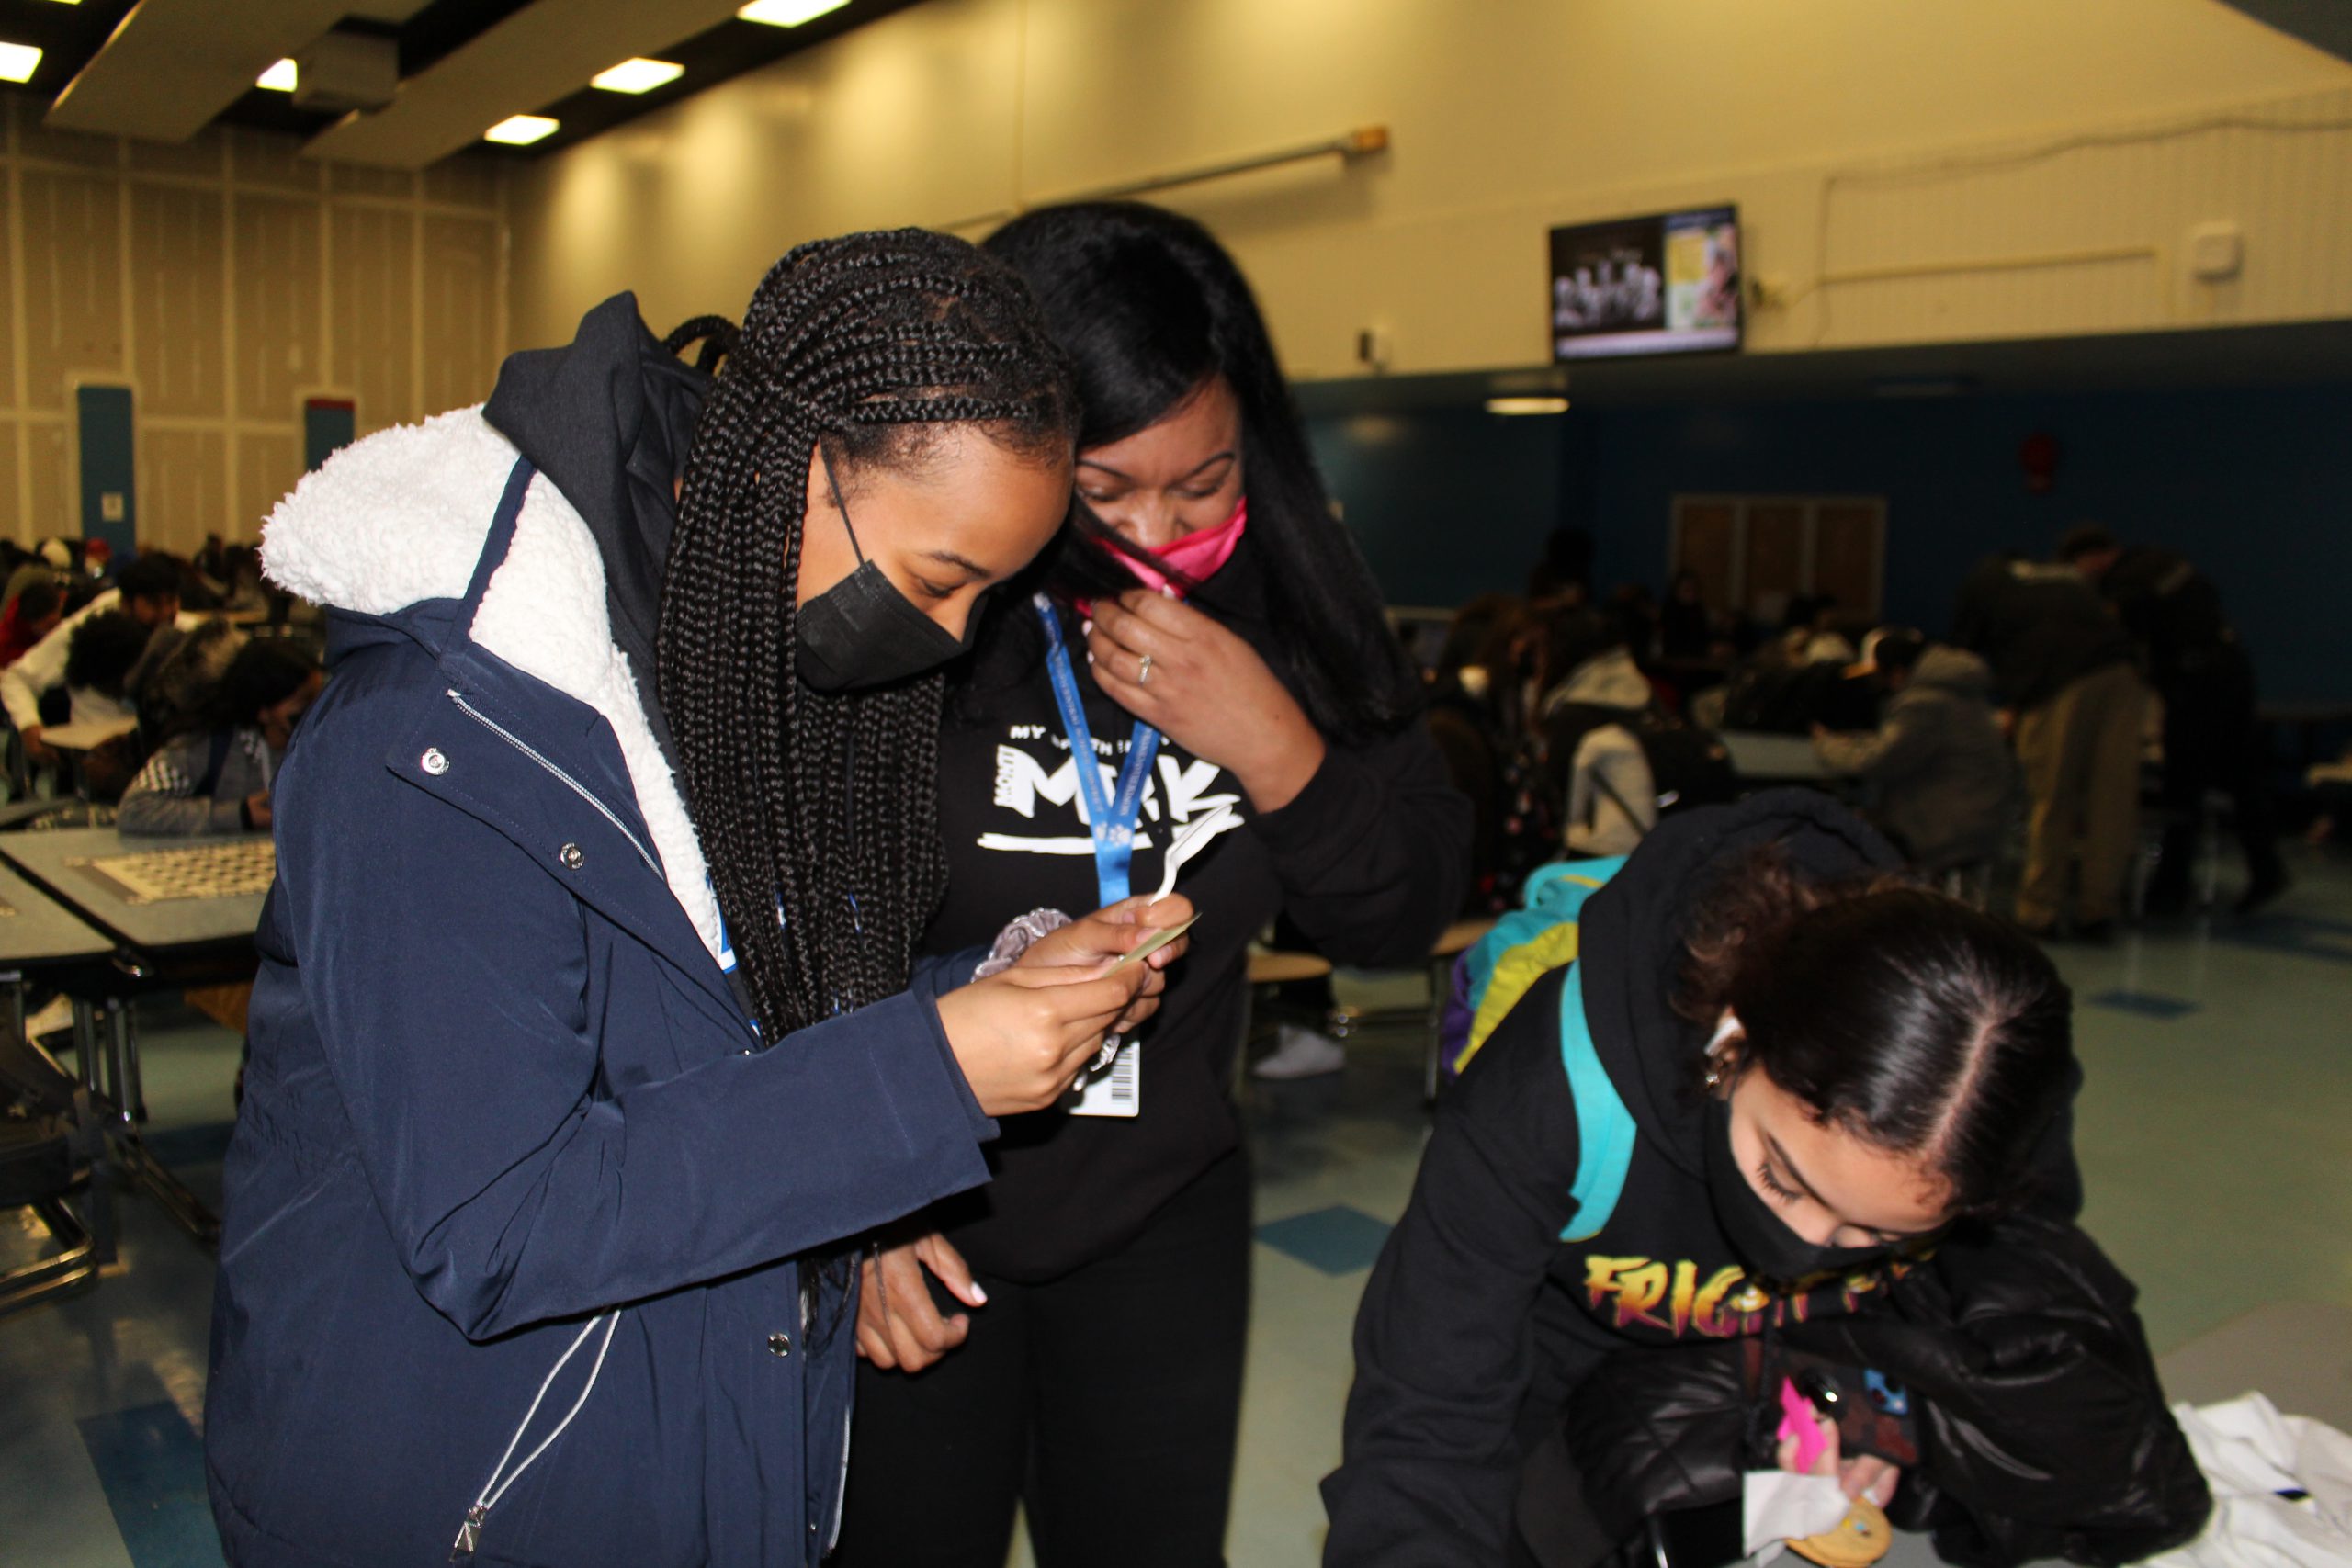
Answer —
818 813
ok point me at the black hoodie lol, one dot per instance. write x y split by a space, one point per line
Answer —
1478 1319
1370 860
609 418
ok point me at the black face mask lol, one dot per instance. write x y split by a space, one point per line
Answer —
1772 1250
863 632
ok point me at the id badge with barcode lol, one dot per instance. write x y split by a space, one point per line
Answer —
1116 1091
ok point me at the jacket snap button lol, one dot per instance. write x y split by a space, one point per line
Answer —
433 761
780 1344
572 857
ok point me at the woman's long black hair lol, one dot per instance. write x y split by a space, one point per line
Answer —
819 814
1149 307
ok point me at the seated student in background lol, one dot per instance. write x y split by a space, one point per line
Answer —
214 775
148 590
1941 780
1776 1075
100 657
31 616
1602 789
47 564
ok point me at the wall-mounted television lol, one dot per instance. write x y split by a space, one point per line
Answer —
1662 284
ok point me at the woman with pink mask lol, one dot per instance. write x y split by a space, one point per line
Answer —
1204 633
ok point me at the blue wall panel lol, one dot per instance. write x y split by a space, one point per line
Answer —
110 494
1445 502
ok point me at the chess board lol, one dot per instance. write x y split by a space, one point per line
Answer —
241 868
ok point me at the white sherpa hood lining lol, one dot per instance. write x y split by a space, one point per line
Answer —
401 517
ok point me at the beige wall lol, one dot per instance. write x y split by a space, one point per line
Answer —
1835 124
225 281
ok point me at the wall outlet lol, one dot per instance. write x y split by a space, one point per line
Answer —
2216 252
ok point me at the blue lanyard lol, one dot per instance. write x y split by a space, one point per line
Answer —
1111 821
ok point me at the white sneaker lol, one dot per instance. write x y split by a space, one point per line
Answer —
1301 1053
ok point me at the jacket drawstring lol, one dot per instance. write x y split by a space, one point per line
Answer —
469 1532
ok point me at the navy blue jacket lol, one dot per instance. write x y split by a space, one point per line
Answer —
499 1087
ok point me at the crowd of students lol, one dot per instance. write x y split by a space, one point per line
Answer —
2037 718
723 1090
186 716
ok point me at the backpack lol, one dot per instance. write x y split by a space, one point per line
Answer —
1543 934
1687 766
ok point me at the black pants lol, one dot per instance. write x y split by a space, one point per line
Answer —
2212 743
1106 1402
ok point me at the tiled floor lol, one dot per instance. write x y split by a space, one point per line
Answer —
2212 1133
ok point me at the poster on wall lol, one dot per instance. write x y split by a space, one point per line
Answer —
1663 285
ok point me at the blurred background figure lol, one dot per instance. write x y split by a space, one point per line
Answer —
33 613
213 773
2199 666
2062 664
1942 782
1481 696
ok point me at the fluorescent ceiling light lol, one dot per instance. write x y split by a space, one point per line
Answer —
19 61
279 78
1527 405
788 13
637 76
521 129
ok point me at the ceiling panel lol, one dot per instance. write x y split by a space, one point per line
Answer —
540 54
174 65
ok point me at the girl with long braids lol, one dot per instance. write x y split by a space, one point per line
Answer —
588 1034
1071 1336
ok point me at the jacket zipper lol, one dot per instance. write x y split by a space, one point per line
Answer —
577 787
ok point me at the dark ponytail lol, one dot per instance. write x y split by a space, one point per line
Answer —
819 814
1918 1023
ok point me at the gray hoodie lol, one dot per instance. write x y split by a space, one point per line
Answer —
170 797
1940 771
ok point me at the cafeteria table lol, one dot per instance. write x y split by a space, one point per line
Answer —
192 928
43 942
1762 758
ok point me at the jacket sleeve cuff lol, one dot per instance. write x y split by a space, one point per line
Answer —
933 979
936 975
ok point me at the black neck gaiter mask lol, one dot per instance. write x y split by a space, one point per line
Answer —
1774 1254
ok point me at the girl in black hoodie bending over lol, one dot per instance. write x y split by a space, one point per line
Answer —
1101 1381
1815 1066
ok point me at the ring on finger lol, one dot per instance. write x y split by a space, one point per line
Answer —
1143 671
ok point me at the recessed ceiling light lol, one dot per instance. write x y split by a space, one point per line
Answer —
1527 405
788 13
279 78
19 61
522 129
637 75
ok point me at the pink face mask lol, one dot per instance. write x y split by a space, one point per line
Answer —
1198 555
